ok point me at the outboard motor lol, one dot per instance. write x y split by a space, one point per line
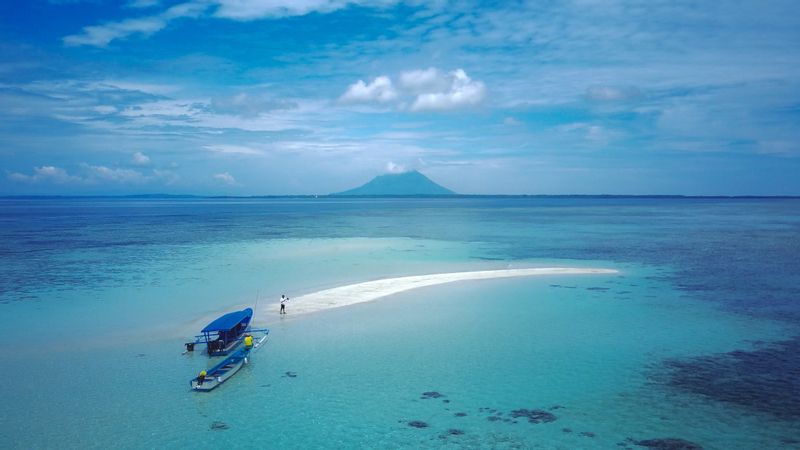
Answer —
190 346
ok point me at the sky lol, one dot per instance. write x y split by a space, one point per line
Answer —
277 97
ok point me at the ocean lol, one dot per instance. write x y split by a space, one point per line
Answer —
693 343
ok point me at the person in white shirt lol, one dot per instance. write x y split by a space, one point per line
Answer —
284 299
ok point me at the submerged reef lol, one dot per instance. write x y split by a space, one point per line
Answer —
534 415
418 424
431 394
218 426
668 444
759 380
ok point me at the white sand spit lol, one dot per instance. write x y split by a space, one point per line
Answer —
373 290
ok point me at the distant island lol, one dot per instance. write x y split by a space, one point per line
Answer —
406 183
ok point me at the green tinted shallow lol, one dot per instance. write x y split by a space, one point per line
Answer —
101 367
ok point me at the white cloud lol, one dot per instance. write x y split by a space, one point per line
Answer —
260 9
424 81
591 134
228 149
92 174
201 113
102 35
140 159
249 105
257 9
122 176
611 93
226 178
105 109
463 92
433 90
391 167
379 90
167 176
143 3
49 174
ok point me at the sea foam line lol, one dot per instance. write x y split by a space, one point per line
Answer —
372 290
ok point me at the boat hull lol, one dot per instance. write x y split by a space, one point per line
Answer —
221 372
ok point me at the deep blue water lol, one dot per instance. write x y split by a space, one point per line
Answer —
740 255
740 252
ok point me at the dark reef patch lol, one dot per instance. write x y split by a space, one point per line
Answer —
455 432
668 444
218 426
534 415
587 434
765 380
460 414
290 375
431 394
566 430
418 424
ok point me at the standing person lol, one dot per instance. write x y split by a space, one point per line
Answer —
284 299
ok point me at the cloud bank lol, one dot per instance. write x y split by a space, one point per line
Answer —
102 35
378 90
240 10
392 167
462 92
140 159
45 174
427 90
90 174
226 178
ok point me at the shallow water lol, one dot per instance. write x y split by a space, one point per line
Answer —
101 297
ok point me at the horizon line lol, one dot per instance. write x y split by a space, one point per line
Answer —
339 196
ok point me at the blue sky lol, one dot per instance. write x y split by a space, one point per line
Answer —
316 96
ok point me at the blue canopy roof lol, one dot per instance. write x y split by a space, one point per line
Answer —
228 321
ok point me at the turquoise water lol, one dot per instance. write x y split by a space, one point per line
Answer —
98 298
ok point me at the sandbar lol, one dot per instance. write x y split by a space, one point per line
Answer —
372 290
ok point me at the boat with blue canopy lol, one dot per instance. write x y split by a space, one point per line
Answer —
225 333
223 337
